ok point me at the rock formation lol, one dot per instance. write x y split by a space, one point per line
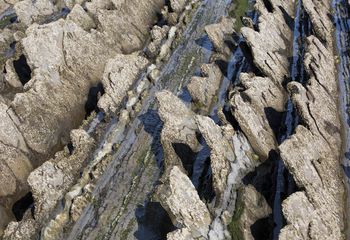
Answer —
120 120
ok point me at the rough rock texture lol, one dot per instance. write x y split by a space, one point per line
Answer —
260 97
219 32
52 180
221 152
179 126
119 75
251 105
204 89
187 210
29 11
253 208
270 44
65 58
316 148
316 144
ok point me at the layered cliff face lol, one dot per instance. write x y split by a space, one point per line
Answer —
170 120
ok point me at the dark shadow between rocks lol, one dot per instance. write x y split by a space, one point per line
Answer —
263 178
95 93
248 54
187 156
261 229
153 125
22 205
22 69
205 43
205 187
287 18
274 119
268 6
153 222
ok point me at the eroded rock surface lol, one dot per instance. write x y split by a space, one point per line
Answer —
181 198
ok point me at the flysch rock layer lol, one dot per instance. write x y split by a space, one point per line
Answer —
180 198
204 89
231 159
66 57
179 126
218 33
312 154
260 95
119 75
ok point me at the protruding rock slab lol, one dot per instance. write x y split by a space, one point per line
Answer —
219 32
179 126
251 107
181 199
221 152
120 73
204 89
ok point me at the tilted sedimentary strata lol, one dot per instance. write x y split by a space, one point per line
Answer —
165 119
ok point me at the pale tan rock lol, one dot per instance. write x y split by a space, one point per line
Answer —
178 5
204 89
120 73
270 44
179 196
218 32
221 153
249 106
254 207
29 11
81 18
179 126
180 234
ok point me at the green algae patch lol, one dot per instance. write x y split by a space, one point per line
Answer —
234 226
238 10
5 21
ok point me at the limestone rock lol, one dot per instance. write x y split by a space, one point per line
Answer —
311 165
298 211
204 89
180 234
179 196
250 107
29 11
221 153
219 32
178 5
179 126
54 178
120 73
270 44
81 18
253 207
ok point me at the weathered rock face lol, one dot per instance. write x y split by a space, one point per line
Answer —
76 194
270 44
251 206
261 97
251 106
316 147
61 61
204 89
220 32
119 75
181 198
179 126
221 152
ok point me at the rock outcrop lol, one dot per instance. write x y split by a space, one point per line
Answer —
204 89
316 144
119 75
178 195
259 97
